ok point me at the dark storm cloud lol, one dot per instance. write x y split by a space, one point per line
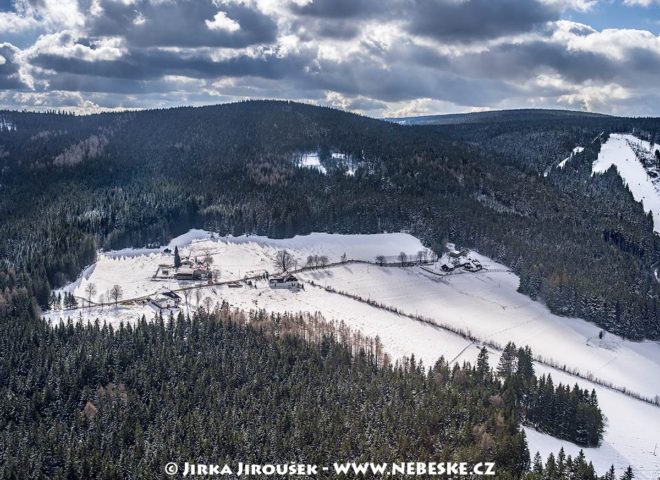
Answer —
152 64
9 68
182 24
521 61
472 20
344 9
404 81
454 21
73 82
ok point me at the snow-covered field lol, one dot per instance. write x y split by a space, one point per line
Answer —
631 438
619 150
486 303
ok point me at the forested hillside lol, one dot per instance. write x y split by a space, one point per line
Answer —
579 243
493 116
222 386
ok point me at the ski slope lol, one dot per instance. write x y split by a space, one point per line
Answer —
619 151
485 303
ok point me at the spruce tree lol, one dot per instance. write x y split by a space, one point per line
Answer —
628 474
482 363
177 258
610 474
507 364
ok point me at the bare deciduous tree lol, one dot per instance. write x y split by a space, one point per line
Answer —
380 260
343 257
116 293
208 301
323 261
186 296
403 258
198 296
283 261
90 290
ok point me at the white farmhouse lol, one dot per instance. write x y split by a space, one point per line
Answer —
165 299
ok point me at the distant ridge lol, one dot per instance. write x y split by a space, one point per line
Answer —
529 114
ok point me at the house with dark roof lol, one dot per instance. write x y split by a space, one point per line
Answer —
287 281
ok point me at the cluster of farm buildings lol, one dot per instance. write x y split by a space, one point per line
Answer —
459 259
199 270
190 269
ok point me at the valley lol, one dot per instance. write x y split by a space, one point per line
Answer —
330 239
483 305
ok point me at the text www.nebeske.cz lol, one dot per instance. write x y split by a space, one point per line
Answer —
349 468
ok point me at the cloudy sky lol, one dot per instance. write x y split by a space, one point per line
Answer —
378 57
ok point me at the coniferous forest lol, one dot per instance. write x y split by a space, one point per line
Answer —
93 402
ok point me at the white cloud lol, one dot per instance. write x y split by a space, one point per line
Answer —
579 5
55 13
613 43
222 22
11 22
139 19
642 3
595 98
65 44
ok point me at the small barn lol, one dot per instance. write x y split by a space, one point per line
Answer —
458 253
165 270
191 273
187 262
287 281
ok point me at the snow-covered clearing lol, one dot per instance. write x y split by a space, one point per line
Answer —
7 124
312 160
563 163
620 151
575 151
485 303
